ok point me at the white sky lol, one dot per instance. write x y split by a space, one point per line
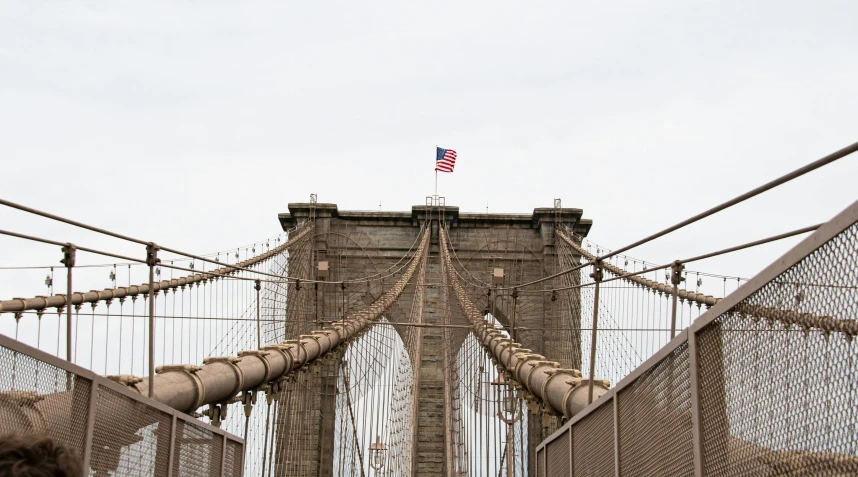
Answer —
194 123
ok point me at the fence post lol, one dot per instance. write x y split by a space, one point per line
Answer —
597 277
258 287
241 457
172 452
676 279
571 451
68 261
616 435
90 425
694 381
152 260
223 456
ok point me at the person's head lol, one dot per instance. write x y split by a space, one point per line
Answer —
33 455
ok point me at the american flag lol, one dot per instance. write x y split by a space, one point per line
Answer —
445 160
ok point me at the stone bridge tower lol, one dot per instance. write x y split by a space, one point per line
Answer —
356 244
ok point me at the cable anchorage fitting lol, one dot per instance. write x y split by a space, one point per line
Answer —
68 255
676 276
597 271
248 398
152 254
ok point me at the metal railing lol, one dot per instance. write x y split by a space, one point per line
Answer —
763 383
249 271
109 427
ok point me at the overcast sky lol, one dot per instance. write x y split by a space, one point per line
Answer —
194 123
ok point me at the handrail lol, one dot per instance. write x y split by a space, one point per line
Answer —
78 298
741 198
93 228
809 320
562 391
187 387
718 208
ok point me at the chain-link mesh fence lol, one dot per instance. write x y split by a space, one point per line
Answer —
557 457
111 429
655 419
777 378
764 384
593 443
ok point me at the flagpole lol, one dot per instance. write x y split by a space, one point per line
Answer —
436 172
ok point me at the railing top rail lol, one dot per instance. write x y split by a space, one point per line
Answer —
93 228
37 354
741 198
623 274
712 211
77 298
821 236
82 225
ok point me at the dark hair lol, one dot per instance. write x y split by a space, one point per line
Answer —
33 455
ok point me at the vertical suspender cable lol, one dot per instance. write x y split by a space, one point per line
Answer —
152 260
68 261
258 287
597 277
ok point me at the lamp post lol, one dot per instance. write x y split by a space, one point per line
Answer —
509 405
378 454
